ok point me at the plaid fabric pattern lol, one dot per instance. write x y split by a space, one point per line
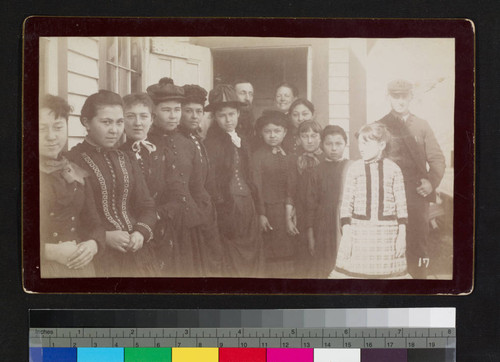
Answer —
394 191
371 251
354 200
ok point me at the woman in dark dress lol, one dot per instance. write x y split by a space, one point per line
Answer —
301 110
192 114
123 202
323 201
70 229
138 109
178 206
270 169
302 169
234 193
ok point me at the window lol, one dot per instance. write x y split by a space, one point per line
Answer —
121 65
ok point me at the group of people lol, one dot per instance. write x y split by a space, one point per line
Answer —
146 195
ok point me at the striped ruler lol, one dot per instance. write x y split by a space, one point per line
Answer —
229 335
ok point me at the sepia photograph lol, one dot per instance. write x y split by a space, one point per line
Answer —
246 157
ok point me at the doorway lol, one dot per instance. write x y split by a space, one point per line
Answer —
265 68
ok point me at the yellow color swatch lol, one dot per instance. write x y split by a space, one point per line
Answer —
195 355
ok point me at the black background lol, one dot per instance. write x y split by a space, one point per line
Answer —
477 314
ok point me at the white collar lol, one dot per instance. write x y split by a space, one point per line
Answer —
235 138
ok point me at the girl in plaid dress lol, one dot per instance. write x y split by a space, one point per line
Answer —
373 213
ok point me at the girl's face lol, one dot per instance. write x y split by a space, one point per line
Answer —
370 149
334 146
53 133
300 114
167 115
192 115
106 128
273 134
137 121
284 98
310 140
227 118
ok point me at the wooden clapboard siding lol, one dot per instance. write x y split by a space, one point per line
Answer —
82 59
80 64
339 87
84 45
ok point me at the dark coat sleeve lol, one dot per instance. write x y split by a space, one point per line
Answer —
292 179
434 156
215 155
210 184
143 204
256 170
196 186
312 197
90 222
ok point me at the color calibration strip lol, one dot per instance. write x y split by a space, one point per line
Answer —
415 334
239 355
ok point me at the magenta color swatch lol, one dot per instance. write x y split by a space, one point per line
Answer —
290 355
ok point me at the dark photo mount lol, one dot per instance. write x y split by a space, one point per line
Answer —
38 29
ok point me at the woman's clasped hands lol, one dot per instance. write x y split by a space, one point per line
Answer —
123 241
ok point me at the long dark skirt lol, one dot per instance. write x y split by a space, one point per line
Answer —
179 251
241 238
279 247
304 261
325 250
211 249
114 263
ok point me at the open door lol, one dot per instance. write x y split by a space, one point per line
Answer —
176 58
265 68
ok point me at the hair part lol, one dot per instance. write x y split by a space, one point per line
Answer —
375 131
311 125
57 105
138 98
304 102
271 117
333 130
292 87
99 100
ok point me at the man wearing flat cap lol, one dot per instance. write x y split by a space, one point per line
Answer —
416 151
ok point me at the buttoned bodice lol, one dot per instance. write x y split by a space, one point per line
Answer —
182 176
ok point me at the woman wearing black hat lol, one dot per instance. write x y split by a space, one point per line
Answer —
181 219
124 204
192 116
234 194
